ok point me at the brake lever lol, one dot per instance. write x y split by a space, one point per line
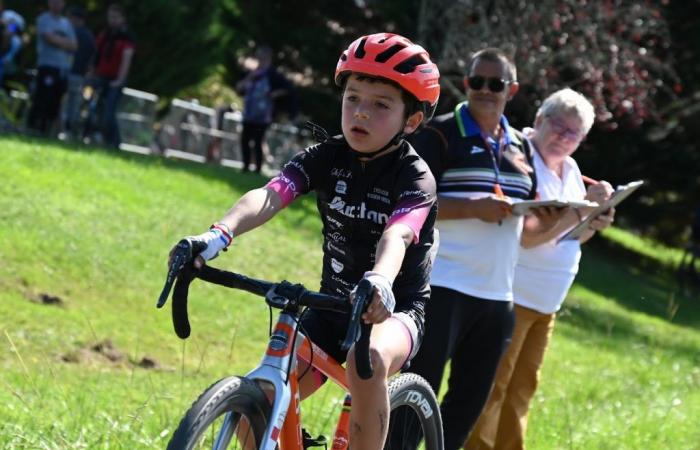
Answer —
181 256
362 294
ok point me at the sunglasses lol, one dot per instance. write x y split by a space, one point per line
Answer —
560 128
477 82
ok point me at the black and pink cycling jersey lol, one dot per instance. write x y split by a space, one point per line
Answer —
357 201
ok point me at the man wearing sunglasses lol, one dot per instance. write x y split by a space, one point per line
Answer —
480 164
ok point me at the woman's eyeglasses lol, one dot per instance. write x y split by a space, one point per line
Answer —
477 82
560 128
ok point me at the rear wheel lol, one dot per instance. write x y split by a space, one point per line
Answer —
231 414
415 415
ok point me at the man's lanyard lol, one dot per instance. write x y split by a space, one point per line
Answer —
496 153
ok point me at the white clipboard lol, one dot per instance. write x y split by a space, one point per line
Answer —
522 208
621 193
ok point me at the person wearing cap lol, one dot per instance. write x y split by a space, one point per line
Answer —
81 61
376 199
55 46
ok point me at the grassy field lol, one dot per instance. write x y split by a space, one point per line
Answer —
88 362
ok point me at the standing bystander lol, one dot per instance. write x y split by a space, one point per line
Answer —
260 88
115 50
545 269
81 61
481 165
55 46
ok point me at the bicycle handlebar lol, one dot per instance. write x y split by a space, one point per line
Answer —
279 295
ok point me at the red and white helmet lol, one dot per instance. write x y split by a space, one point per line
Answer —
394 58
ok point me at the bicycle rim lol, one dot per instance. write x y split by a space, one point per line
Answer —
231 414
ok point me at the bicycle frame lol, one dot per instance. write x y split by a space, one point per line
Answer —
285 418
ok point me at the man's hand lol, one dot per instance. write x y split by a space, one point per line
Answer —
549 215
493 209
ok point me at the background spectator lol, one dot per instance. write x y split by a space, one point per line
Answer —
115 50
81 61
260 88
11 27
55 46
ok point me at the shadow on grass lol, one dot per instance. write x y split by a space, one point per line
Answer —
650 290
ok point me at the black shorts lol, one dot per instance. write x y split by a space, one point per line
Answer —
327 329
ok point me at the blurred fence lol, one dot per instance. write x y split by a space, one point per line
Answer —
188 130
136 117
192 131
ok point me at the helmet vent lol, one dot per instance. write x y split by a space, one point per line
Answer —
410 64
388 53
360 52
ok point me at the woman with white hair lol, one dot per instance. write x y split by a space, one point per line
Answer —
545 270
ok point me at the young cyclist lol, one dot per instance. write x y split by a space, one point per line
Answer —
376 199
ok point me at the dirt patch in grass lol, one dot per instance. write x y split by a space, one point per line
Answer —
105 352
46 299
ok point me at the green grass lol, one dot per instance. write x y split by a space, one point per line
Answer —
94 229
643 247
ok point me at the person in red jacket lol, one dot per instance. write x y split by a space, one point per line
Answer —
115 50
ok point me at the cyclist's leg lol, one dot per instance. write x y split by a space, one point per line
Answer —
325 329
390 347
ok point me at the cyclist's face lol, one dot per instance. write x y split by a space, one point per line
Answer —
372 114
558 136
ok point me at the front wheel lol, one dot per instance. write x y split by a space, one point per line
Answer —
230 414
415 415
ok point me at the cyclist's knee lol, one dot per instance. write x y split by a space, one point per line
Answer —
380 365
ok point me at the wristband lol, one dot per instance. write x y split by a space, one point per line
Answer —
225 231
384 285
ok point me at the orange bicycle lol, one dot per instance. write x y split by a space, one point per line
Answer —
235 412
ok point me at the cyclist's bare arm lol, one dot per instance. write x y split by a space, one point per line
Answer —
252 210
391 249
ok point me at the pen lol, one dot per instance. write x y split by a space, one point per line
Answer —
589 180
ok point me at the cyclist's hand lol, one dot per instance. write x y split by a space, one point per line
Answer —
493 209
382 302
217 238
